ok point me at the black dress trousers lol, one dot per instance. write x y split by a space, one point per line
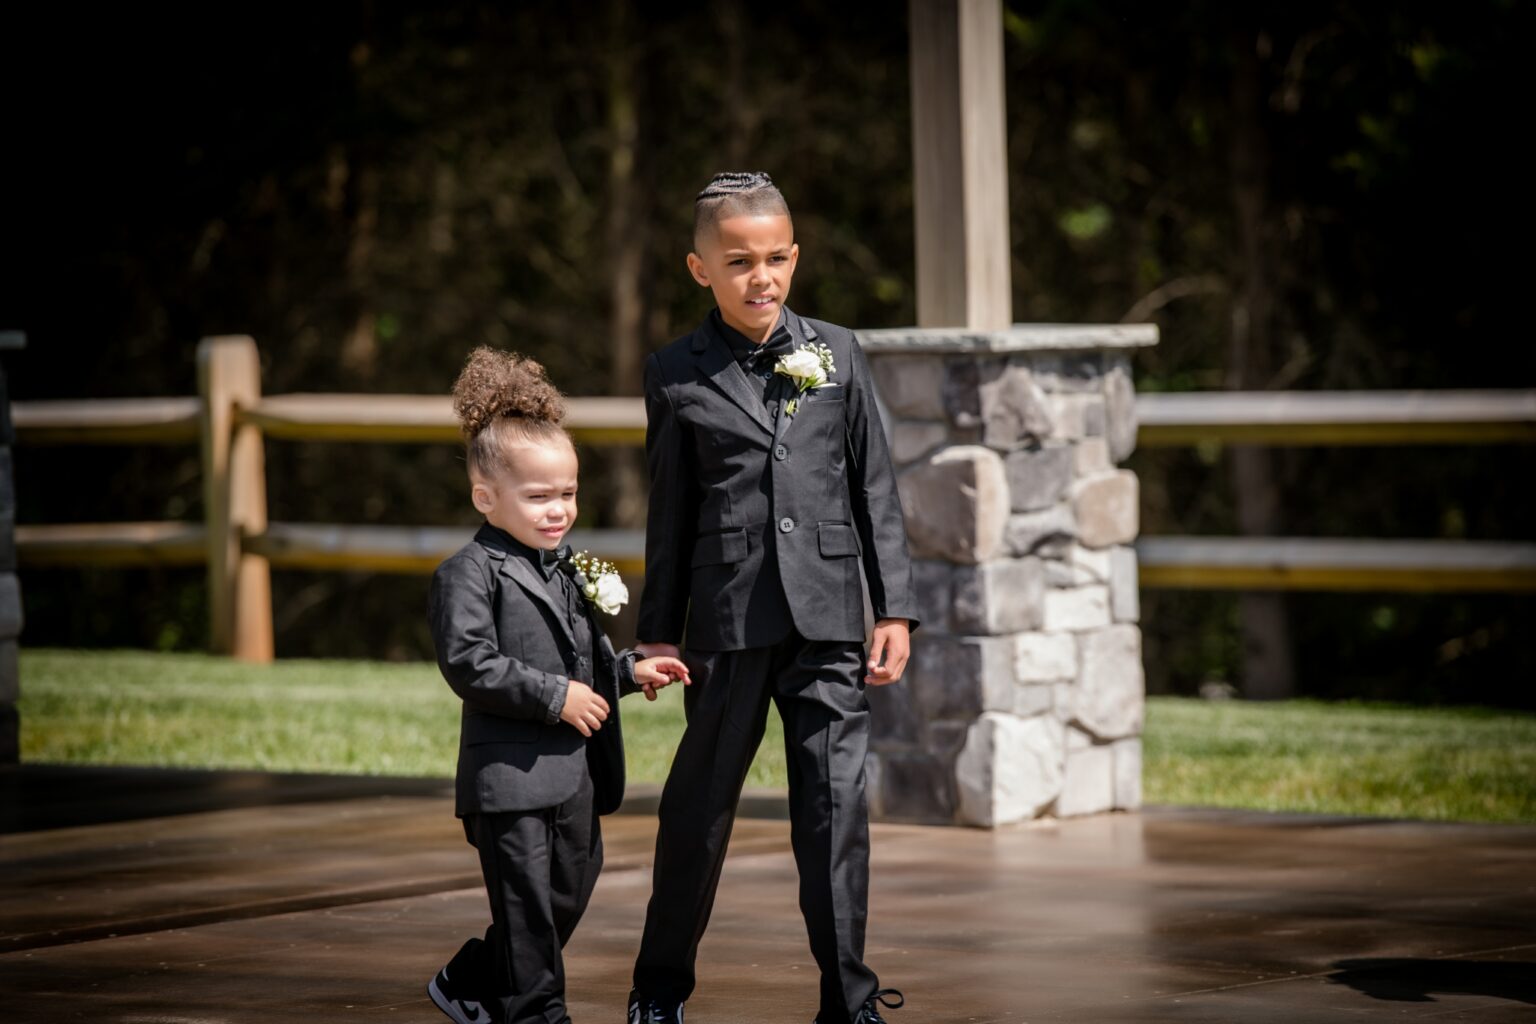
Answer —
539 868
819 690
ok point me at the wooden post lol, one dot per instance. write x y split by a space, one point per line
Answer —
960 165
235 494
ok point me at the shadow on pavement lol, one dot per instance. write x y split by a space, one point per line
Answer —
34 797
1411 980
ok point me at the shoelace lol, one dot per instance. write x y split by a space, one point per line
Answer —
650 1012
871 1013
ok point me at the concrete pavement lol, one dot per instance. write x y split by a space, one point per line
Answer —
194 898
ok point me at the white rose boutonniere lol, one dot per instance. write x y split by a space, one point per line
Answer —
810 367
601 583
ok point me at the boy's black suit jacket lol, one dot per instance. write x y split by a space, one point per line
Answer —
506 650
757 525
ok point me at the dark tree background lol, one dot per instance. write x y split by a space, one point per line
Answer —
1303 196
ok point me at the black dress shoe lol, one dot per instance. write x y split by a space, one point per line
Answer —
650 1011
870 1013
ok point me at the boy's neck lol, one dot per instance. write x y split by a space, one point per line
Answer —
756 337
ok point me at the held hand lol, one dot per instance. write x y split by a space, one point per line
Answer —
891 641
654 673
658 651
584 708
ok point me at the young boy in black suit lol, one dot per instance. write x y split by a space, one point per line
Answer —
540 753
770 480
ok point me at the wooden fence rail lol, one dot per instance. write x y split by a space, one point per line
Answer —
1302 419
1334 418
231 420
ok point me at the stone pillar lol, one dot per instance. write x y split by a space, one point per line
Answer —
1025 694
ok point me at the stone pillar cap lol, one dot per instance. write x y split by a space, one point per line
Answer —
1018 338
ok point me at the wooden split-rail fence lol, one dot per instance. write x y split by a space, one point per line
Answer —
232 420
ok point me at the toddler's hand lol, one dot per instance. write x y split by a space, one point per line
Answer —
584 708
654 673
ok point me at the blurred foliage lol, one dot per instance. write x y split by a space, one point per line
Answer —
370 189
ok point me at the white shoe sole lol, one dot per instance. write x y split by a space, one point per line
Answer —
453 1012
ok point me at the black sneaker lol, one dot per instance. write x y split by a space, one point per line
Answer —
455 989
870 1014
649 1011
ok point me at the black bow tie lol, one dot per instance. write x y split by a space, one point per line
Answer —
560 558
769 351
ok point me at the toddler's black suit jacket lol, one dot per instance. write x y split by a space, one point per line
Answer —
504 647
761 523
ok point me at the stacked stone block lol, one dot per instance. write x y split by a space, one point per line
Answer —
1025 695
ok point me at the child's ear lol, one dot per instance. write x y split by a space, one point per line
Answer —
696 268
480 494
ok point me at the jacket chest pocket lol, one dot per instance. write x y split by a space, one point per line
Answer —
834 395
821 413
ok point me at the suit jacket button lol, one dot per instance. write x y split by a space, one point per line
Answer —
780 452
786 524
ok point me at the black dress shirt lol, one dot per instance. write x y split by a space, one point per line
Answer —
759 360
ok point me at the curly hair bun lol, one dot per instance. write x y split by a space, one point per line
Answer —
494 384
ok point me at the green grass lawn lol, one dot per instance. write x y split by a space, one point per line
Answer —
192 710
129 707
1456 764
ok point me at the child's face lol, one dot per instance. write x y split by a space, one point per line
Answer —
535 500
748 264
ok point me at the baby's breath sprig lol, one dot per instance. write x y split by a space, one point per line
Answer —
600 582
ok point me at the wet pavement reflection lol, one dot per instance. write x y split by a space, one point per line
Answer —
170 898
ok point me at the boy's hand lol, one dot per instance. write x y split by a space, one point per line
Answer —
891 640
654 673
584 708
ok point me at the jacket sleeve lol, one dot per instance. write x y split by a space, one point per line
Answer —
624 663
876 504
463 621
672 519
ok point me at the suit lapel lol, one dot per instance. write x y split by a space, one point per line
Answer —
718 366
781 425
803 334
515 567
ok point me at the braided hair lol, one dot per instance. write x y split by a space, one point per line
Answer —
734 194
504 401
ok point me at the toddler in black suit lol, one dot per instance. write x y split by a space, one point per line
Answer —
540 752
